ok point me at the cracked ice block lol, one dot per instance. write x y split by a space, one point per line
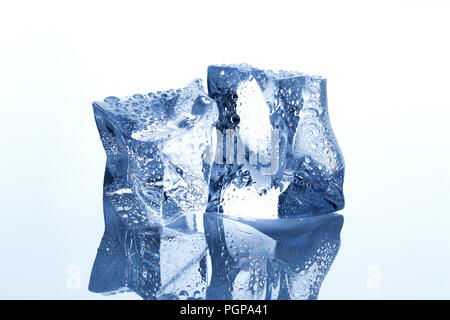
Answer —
159 154
270 260
276 155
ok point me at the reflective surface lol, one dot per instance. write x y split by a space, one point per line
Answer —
219 258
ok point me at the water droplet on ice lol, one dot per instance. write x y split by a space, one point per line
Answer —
183 295
235 119
111 99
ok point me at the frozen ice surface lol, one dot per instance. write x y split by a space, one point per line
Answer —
276 151
286 259
159 154
156 263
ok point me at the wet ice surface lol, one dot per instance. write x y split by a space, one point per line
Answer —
219 258
260 140
159 154
290 163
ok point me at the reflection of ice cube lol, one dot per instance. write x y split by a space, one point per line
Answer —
266 259
182 255
252 250
167 264
304 167
240 256
159 147
160 263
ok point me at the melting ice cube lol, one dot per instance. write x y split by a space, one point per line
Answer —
159 153
276 153
275 156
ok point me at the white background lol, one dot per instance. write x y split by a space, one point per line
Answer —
388 91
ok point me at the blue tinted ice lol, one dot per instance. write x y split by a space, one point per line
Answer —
259 146
159 154
276 154
156 263
231 259
271 260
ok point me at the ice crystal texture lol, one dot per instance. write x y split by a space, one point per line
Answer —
159 154
276 151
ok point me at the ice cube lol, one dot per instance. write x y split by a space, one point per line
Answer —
266 259
159 153
276 151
